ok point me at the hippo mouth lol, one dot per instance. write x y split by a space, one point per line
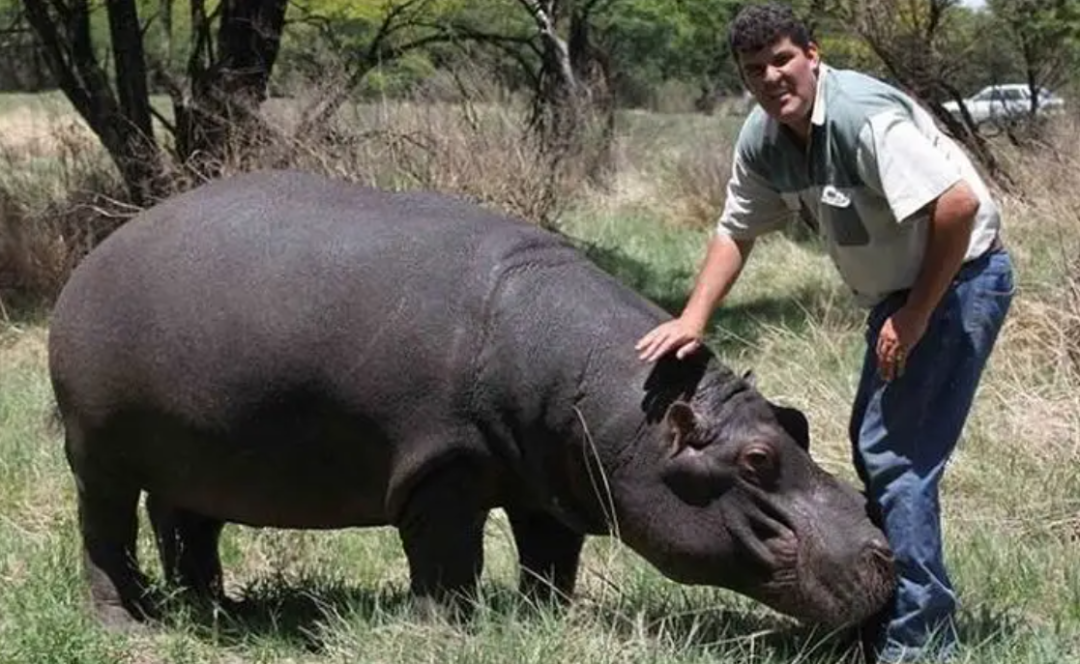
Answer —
802 571
843 595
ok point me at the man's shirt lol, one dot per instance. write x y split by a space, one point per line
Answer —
874 161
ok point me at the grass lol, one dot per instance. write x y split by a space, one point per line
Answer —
1011 497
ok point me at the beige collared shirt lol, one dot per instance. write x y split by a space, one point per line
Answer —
874 162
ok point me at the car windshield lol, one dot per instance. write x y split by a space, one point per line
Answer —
1001 94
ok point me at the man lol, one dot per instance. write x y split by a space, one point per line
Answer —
913 232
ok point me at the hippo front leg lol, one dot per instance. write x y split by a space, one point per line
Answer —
548 552
442 530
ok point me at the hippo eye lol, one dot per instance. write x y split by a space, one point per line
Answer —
757 464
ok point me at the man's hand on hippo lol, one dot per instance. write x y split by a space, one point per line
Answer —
678 335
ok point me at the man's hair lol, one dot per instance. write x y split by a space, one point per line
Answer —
758 26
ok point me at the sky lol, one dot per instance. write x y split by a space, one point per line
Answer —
973 3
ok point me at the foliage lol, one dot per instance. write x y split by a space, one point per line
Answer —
652 41
1042 35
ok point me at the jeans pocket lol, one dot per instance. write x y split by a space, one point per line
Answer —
995 289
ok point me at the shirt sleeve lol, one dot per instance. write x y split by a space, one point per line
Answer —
752 207
899 161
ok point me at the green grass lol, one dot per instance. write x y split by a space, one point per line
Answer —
1011 498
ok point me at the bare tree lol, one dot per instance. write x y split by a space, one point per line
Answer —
405 26
215 106
121 117
573 83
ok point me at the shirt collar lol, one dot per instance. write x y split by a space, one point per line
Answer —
817 116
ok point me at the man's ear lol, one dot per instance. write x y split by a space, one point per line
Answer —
794 423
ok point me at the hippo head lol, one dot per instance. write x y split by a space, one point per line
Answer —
739 503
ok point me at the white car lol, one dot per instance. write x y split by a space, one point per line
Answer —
1000 104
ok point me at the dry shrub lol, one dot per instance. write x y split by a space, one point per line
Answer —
480 147
696 182
59 196
699 185
1042 227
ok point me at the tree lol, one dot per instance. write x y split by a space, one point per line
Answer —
1045 34
216 109
121 118
652 41
213 106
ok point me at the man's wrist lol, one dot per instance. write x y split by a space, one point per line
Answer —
918 308
694 322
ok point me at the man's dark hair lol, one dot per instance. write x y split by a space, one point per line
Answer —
759 26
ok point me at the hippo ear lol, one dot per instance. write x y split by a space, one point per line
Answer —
682 422
794 423
749 378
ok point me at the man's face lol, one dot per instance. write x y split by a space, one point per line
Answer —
782 77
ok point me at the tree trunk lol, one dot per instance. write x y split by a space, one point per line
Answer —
122 125
220 117
573 106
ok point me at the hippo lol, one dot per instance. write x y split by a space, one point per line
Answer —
282 349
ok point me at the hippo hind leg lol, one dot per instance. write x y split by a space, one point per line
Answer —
188 546
108 524
442 532
548 553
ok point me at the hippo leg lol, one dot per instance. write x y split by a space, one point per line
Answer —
108 523
548 553
188 545
442 530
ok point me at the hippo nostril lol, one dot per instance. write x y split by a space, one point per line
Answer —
879 544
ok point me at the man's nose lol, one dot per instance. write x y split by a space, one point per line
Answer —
772 74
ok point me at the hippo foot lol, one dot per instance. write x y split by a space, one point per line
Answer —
133 617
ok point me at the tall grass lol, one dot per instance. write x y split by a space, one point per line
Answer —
1011 498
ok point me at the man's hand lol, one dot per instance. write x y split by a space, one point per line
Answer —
723 263
674 335
897 339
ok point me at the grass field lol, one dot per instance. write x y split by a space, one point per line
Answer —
1011 497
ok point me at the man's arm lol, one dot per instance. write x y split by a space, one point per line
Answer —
724 261
951 220
952 217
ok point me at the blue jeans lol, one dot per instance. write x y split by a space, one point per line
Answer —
903 433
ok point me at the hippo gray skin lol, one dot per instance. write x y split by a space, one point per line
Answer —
279 349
